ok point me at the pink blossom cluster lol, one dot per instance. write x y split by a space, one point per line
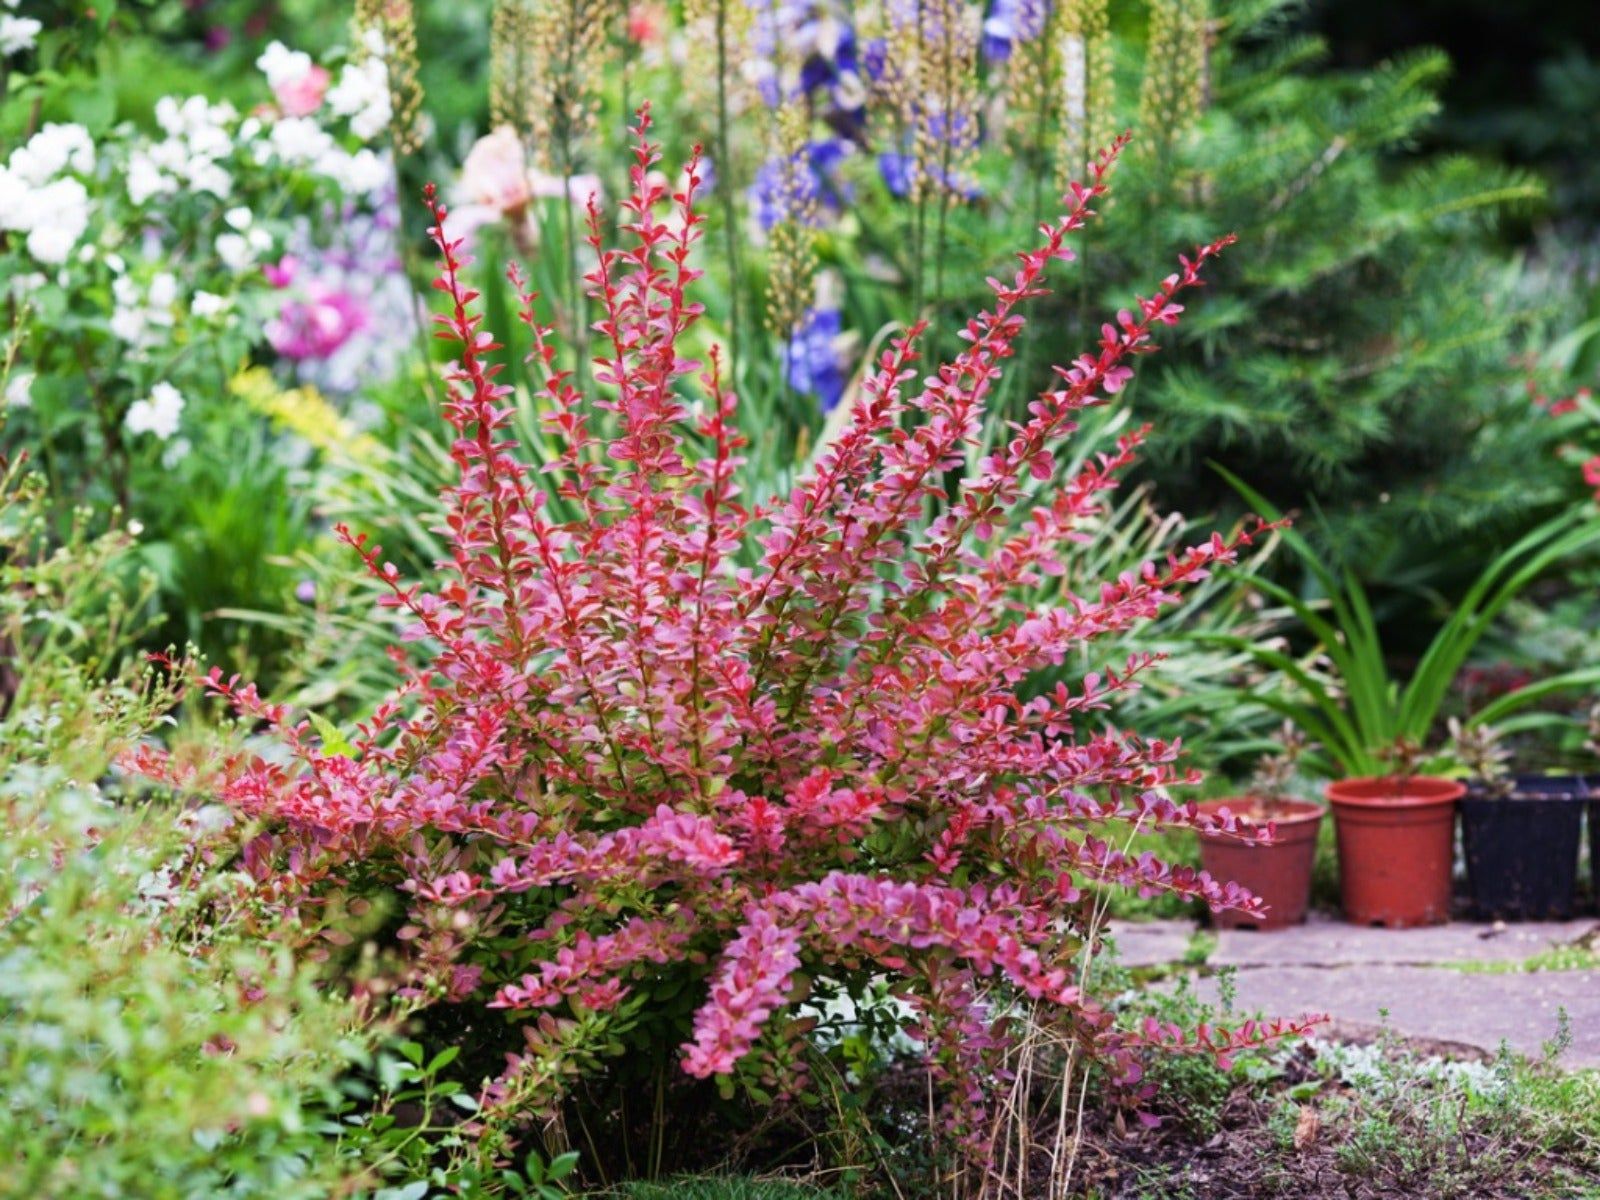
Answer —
666 733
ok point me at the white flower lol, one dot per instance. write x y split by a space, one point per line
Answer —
17 34
206 305
362 94
300 140
57 215
238 251
129 325
138 314
199 139
239 218
360 174
14 192
146 179
19 389
158 415
207 176
50 243
54 149
194 117
282 65
234 251
163 290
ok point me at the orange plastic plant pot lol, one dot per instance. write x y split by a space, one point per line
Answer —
1278 872
1396 847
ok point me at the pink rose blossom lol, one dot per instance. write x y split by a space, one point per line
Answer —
316 324
302 95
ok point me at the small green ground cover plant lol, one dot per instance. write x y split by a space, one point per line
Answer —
1328 1120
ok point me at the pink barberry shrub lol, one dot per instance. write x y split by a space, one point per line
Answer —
676 736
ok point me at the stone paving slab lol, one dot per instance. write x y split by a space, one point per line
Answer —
1437 1003
1151 943
1327 941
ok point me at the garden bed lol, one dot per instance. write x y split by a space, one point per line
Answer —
1394 1131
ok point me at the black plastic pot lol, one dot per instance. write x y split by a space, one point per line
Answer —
1594 840
1522 850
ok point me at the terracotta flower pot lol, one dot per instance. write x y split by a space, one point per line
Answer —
1279 872
1396 846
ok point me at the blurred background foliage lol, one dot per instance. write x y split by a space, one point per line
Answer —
1413 186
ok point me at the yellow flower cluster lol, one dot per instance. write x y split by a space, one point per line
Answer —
306 413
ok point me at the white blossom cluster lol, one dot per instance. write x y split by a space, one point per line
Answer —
297 138
158 414
244 242
362 95
203 181
143 315
200 140
40 192
17 34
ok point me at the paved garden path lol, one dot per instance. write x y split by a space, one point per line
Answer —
1466 986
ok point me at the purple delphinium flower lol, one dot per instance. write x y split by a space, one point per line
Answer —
800 186
818 36
896 170
813 365
1010 22
875 58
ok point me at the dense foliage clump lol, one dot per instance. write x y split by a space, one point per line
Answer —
673 739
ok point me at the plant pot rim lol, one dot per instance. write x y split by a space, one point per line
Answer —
1394 792
1532 788
1293 811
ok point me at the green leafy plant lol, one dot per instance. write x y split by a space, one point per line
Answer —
1366 720
145 1048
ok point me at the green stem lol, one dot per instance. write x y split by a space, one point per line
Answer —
569 235
566 108
1042 163
724 169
